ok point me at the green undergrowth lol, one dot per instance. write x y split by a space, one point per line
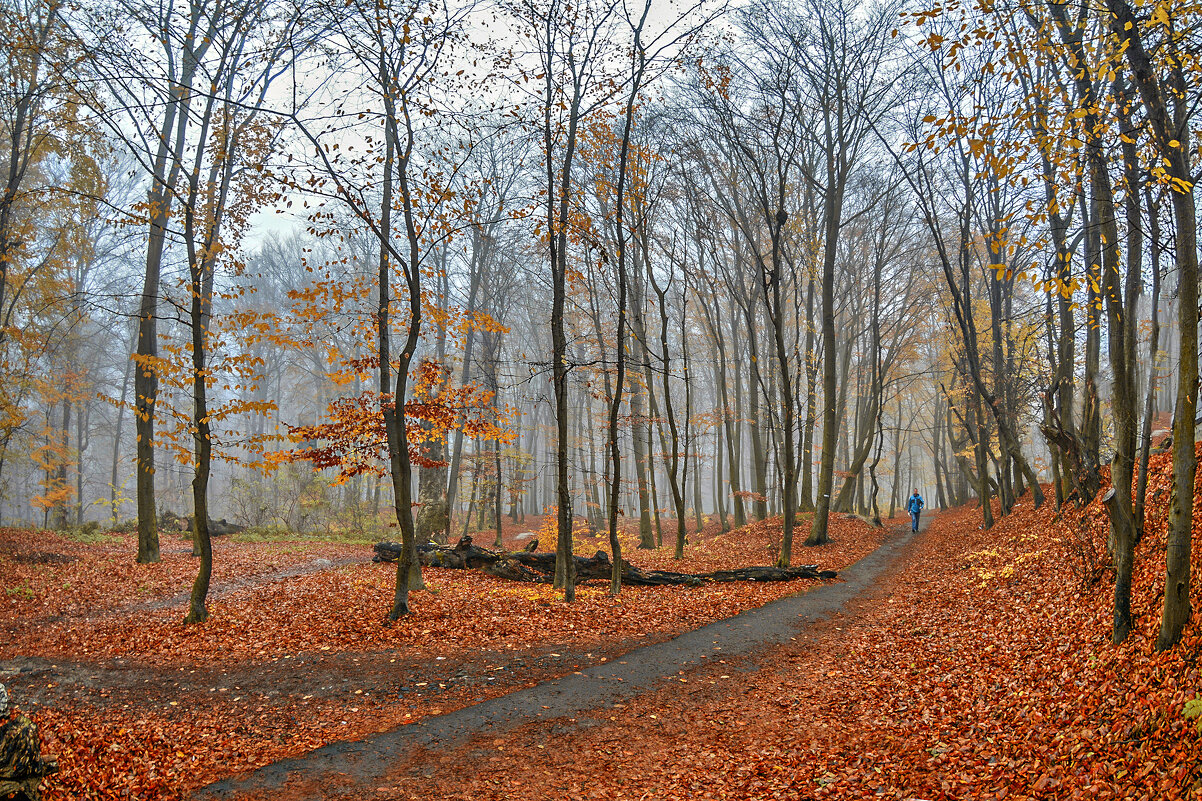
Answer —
257 534
1193 711
91 534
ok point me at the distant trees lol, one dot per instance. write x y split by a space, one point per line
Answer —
55 186
796 66
825 256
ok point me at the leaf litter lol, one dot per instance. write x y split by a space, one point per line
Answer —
142 706
981 668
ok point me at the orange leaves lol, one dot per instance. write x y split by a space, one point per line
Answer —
443 407
457 322
353 440
943 683
54 496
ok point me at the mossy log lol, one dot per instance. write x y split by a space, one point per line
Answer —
540 567
22 766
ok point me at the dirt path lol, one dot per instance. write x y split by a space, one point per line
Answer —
355 769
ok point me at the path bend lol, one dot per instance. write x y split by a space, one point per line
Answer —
334 770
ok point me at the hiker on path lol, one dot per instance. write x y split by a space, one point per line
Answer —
914 506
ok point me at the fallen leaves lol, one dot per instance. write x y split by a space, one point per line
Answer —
285 614
981 669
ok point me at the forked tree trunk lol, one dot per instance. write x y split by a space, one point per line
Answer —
1171 137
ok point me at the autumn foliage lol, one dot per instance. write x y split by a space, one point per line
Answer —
982 669
293 655
353 440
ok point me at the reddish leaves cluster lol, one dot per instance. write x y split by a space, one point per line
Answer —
354 439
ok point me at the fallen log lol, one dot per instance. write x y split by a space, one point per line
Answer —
540 567
169 521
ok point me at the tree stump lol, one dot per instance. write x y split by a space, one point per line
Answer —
21 765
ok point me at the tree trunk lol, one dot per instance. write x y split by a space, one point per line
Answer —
1141 491
165 172
557 236
788 402
479 256
977 420
114 512
673 463
197 610
805 500
832 214
734 438
1171 138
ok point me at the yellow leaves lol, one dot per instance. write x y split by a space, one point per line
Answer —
1181 185
1159 16
1163 177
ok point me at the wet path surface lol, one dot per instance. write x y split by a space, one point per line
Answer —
337 769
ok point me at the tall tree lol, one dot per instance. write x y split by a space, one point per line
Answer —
1162 91
398 50
149 105
571 49
223 185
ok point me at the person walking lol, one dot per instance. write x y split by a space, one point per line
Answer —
914 506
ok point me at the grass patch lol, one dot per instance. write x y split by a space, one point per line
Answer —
261 534
90 534
23 589
1193 711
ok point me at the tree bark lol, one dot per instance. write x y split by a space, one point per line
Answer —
1145 450
832 212
1171 137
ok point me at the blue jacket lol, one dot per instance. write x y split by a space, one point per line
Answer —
915 504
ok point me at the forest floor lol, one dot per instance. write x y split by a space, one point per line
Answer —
978 666
294 655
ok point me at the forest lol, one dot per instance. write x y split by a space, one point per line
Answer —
707 289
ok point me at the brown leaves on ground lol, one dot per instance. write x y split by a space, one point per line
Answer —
50 578
281 616
981 669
